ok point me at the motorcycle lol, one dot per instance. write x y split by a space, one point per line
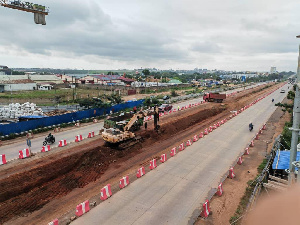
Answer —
49 140
251 127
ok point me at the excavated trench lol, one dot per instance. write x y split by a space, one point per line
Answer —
25 192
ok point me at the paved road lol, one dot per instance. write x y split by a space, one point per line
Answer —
170 193
12 151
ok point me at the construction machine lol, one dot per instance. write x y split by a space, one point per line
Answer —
123 136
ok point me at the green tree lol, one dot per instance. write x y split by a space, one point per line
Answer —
146 72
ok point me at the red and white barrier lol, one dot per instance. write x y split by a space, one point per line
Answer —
78 138
181 147
2 159
124 181
260 131
140 172
62 143
46 148
246 151
105 192
201 135
188 143
231 173
257 137
173 152
205 132
252 144
205 209
152 164
264 127
25 153
195 138
240 160
82 208
54 222
163 158
220 190
91 134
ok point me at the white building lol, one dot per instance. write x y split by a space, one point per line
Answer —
273 70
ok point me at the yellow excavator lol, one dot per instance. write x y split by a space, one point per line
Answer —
124 137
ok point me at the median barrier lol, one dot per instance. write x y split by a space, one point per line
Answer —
153 164
45 148
140 172
188 143
62 143
260 131
201 135
124 181
220 190
173 152
105 192
57 129
25 153
163 158
205 209
195 138
252 144
82 208
231 173
91 134
240 160
205 132
2 159
181 147
257 137
78 138
246 151
54 222
264 127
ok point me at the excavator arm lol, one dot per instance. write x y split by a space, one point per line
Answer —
133 119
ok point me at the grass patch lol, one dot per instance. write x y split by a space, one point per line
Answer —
245 199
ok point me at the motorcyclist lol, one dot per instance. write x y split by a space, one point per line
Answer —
251 126
50 137
272 99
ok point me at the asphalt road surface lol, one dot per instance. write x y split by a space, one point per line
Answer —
170 193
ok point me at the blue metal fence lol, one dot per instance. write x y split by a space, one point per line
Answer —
19 127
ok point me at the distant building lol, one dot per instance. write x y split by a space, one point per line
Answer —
17 85
273 70
4 70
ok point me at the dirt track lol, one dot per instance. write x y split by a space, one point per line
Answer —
51 186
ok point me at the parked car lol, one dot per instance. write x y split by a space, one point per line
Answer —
165 107
282 91
166 97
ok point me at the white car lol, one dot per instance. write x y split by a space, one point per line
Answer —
282 91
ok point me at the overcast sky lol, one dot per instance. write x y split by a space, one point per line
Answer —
179 34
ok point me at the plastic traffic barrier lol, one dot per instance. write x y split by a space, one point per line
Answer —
152 164
25 153
173 152
46 148
124 181
205 209
82 208
105 192
163 158
2 159
140 172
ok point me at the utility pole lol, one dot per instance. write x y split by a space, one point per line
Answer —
295 129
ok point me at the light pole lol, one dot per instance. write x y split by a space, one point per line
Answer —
295 129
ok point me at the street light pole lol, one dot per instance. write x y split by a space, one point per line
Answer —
295 128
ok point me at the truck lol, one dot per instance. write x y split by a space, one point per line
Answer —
214 97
